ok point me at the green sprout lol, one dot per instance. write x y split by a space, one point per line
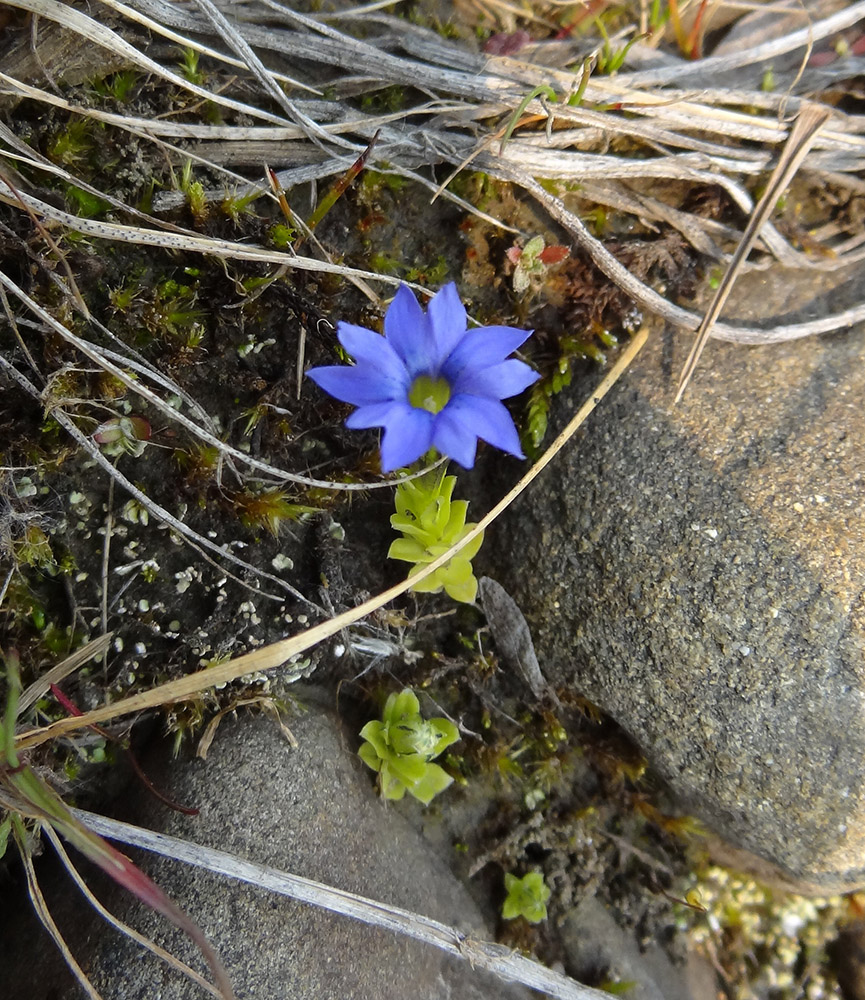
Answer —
610 60
189 67
195 194
527 897
431 523
532 261
401 747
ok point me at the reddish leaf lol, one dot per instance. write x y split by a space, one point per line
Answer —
504 44
553 254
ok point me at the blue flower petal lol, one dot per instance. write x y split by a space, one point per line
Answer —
376 414
359 385
369 348
448 319
408 332
436 343
485 418
452 438
407 435
480 348
498 381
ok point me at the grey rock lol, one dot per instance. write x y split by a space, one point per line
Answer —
311 811
598 949
698 573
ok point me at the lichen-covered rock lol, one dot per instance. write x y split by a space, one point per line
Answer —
698 572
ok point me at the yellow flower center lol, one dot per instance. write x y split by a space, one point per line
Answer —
428 393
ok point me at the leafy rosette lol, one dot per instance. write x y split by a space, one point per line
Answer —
527 897
432 522
401 748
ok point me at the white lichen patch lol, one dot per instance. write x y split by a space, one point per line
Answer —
766 941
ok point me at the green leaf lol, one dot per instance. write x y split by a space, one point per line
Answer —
447 733
435 780
392 786
5 828
408 550
376 734
399 705
465 591
369 755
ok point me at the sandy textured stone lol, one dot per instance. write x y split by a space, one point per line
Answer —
698 572
311 811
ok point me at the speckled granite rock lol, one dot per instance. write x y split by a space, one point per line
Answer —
311 811
698 573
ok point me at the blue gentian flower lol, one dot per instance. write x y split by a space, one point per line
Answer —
430 382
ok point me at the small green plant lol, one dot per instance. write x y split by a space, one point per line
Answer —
431 522
269 509
118 85
282 236
527 897
189 67
195 194
532 261
610 60
402 746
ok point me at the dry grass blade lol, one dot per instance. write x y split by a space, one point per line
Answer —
119 925
42 912
274 655
508 965
99 34
707 68
263 75
96 647
195 44
647 297
808 123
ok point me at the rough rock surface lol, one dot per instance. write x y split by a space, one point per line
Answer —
698 573
311 811
597 947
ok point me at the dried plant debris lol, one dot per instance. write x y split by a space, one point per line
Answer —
511 633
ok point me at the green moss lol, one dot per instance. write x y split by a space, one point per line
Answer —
196 197
269 509
433 275
74 147
189 67
281 236
373 180
118 86
384 101
383 263
85 204
236 206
